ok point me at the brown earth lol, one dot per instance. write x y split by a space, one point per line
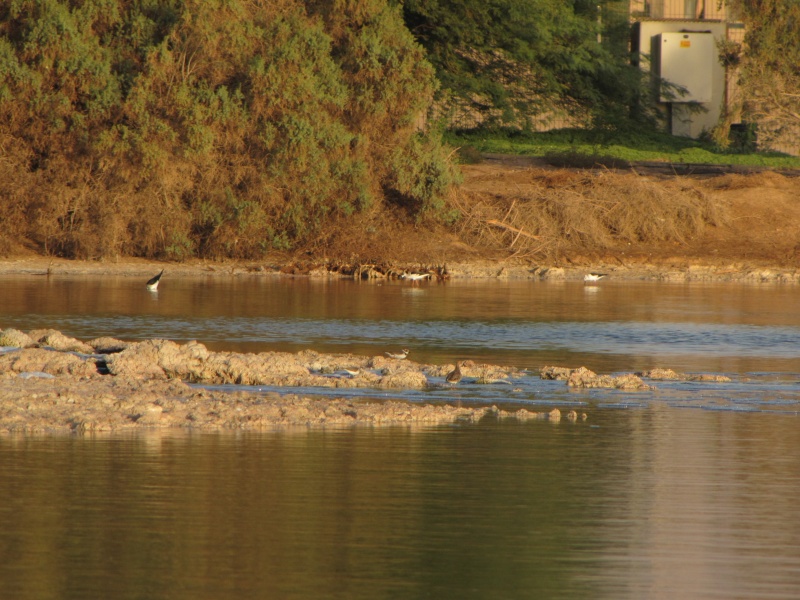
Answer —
758 211
521 218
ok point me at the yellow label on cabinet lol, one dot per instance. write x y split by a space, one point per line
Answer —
685 43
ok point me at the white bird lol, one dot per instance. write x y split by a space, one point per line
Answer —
399 356
594 276
415 276
152 284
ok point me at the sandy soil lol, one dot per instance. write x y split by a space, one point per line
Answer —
758 240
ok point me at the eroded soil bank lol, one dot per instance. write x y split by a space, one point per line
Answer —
520 218
737 272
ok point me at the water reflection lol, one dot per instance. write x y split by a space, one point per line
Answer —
651 500
615 326
632 504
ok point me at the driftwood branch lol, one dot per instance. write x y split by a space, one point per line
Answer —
507 227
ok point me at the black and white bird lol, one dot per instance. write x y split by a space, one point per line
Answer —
399 355
152 284
454 376
594 276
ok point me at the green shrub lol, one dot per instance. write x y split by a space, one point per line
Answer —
208 128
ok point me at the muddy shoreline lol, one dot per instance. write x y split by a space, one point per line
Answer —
678 270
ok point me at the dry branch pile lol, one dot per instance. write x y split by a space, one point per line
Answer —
558 211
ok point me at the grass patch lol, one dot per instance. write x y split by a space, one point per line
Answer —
580 148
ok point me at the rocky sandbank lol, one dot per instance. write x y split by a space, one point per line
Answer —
50 382
53 383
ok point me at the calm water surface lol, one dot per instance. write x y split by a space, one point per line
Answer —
689 491
657 503
611 327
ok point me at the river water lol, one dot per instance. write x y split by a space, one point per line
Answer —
688 491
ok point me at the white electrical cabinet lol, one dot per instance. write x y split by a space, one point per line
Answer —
686 60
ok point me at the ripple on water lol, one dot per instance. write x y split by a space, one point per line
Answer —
745 331
740 396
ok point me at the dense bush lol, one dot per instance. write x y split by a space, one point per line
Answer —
514 63
769 73
218 128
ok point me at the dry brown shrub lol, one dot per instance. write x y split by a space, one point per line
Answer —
14 181
234 129
389 236
737 181
363 237
594 211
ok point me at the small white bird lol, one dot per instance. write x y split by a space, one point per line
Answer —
594 276
352 372
415 276
398 356
152 284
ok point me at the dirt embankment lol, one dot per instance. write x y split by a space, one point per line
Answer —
521 218
642 218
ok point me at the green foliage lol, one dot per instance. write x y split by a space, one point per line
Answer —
179 247
423 175
509 60
770 78
215 128
577 148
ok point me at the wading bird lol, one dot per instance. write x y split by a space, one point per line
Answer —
454 376
415 276
152 284
399 356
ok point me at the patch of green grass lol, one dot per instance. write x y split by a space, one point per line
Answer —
607 148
